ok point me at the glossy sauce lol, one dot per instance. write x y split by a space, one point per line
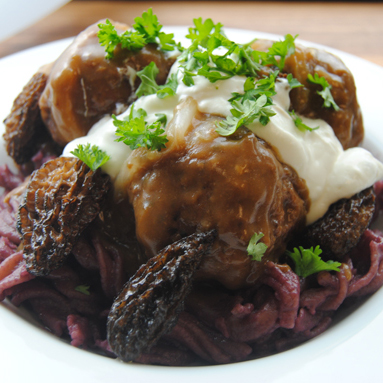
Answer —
330 172
204 181
271 179
84 86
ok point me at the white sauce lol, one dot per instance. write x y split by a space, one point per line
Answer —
317 156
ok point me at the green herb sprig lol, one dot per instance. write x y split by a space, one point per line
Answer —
278 52
136 132
308 261
238 59
93 156
256 249
325 93
244 113
146 30
84 289
293 82
149 85
299 123
253 105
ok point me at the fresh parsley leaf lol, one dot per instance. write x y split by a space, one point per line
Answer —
146 30
245 113
281 50
110 39
255 248
83 289
236 59
253 90
136 132
188 78
277 53
166 41
206 38
170 88
293 82
308 261
250 63
266 85
254 104
92 156
212 74
249 84
325 93
148 25
162 118
299 123
148 80
202 30
149 85
232 59
132 41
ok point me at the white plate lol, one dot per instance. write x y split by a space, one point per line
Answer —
349 351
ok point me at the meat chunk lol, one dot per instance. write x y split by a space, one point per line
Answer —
84 86
24 128
203 181
347 122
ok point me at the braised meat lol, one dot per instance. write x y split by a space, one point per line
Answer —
84 86
347 122
203 181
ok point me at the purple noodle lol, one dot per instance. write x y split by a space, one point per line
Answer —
217 325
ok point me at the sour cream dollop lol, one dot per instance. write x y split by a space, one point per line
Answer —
317 156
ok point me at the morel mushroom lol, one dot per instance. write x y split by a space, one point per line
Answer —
341 228
24 127
149 304
62 198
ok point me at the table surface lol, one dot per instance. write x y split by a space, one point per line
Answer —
353 27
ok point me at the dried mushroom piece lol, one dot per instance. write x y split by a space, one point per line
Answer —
340 229
150 302
61 199
24 127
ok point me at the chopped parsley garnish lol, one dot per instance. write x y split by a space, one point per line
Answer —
325 93
299 123
212 55
277 53
203 30
136 132
149 85
245 113
308 261
110 39
254 89
145 30
293 82
83 289
93 156
255 248
253 105
149 26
